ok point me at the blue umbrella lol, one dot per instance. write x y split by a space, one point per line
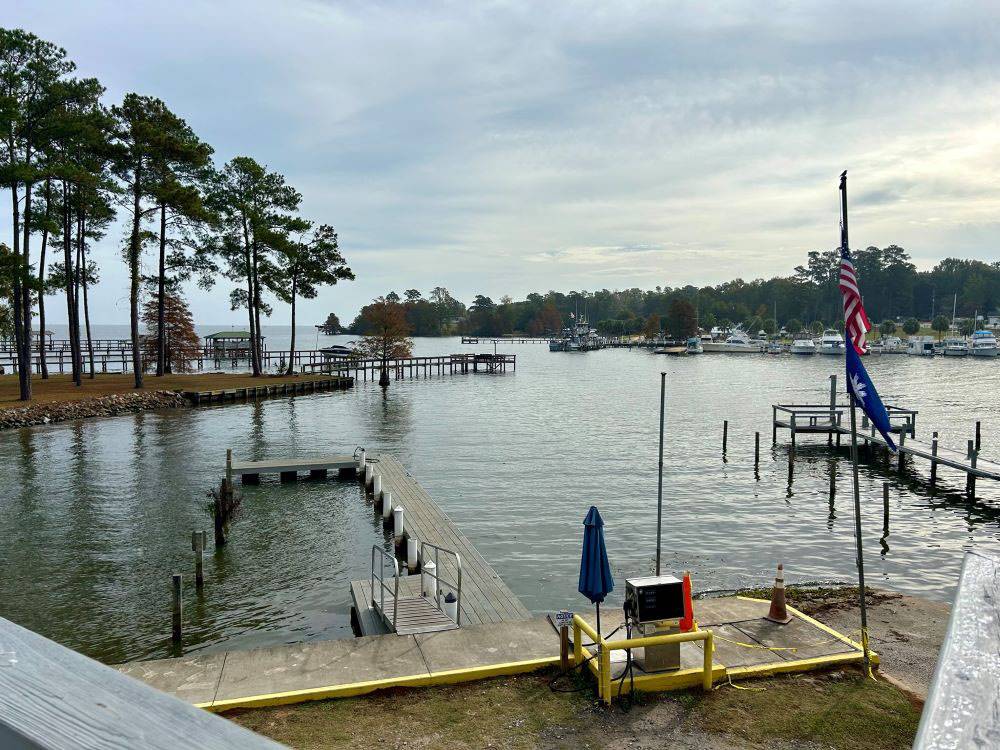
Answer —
595 572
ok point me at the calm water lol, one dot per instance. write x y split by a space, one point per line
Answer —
98 514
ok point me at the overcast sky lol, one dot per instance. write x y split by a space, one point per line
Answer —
504 148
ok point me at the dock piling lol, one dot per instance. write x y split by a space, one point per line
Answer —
198 546
885 509
833 405
978 435
902 454
725 434
934 452
411 554
756 451
175 635
386 505
377 487
397 523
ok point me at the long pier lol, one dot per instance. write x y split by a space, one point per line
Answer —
402 367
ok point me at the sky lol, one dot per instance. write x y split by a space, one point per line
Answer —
508 147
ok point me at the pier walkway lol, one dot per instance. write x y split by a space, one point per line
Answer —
484 599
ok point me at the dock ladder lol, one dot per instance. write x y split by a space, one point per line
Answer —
408 615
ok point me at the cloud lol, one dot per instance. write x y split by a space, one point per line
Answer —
505 148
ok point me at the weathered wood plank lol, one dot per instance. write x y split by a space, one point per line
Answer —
54 697
963 706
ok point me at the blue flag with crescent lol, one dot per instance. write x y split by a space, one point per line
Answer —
865 395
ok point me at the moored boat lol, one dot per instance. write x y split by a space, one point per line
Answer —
956 348
832 342
737 343
694 345
920 346
803 345
890 345
984 344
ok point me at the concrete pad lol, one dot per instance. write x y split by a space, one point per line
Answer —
305 666
727 609
489 644
808 640
193 679
732 655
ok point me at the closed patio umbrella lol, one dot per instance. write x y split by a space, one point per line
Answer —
595 571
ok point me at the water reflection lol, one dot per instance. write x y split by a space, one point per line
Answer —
101 512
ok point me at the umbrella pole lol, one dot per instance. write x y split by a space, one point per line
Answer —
598 619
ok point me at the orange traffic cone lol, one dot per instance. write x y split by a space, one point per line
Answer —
778 612
687 622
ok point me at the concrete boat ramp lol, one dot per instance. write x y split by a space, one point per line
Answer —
487 632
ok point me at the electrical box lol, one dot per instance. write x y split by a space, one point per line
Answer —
654 598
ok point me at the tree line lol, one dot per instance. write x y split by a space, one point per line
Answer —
807 299
73 165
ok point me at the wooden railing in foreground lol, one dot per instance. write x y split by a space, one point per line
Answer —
963 706
600 664
54 697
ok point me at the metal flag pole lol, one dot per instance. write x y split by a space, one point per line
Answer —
854 455
659 485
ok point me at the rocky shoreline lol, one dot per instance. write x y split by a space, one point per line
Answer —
101 406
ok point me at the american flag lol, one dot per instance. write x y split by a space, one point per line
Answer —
855 318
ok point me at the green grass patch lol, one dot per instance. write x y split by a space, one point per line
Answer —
850 712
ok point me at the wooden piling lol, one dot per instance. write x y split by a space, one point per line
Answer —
902 455
198 546
178 605
564 648
833 405
978 435
756 451
885 509
725 434
934 451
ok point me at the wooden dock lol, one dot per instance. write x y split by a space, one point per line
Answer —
255 392
829 419
289 468
485 597
402 367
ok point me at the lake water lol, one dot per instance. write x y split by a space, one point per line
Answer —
97 514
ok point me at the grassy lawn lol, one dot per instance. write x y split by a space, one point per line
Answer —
60 387
835 710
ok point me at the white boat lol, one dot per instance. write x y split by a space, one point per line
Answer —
890 345
694 345
984 344
738 343
920 346
956 348
775 347
803 346
832 342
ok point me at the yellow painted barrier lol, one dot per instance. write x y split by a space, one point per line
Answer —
679 678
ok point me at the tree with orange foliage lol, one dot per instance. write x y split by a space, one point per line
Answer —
386 334
182 344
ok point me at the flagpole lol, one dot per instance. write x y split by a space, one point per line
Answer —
854 454
659 484
857 536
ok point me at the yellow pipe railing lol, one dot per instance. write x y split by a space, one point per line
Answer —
603 670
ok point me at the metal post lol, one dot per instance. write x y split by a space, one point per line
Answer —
659 482
854 460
